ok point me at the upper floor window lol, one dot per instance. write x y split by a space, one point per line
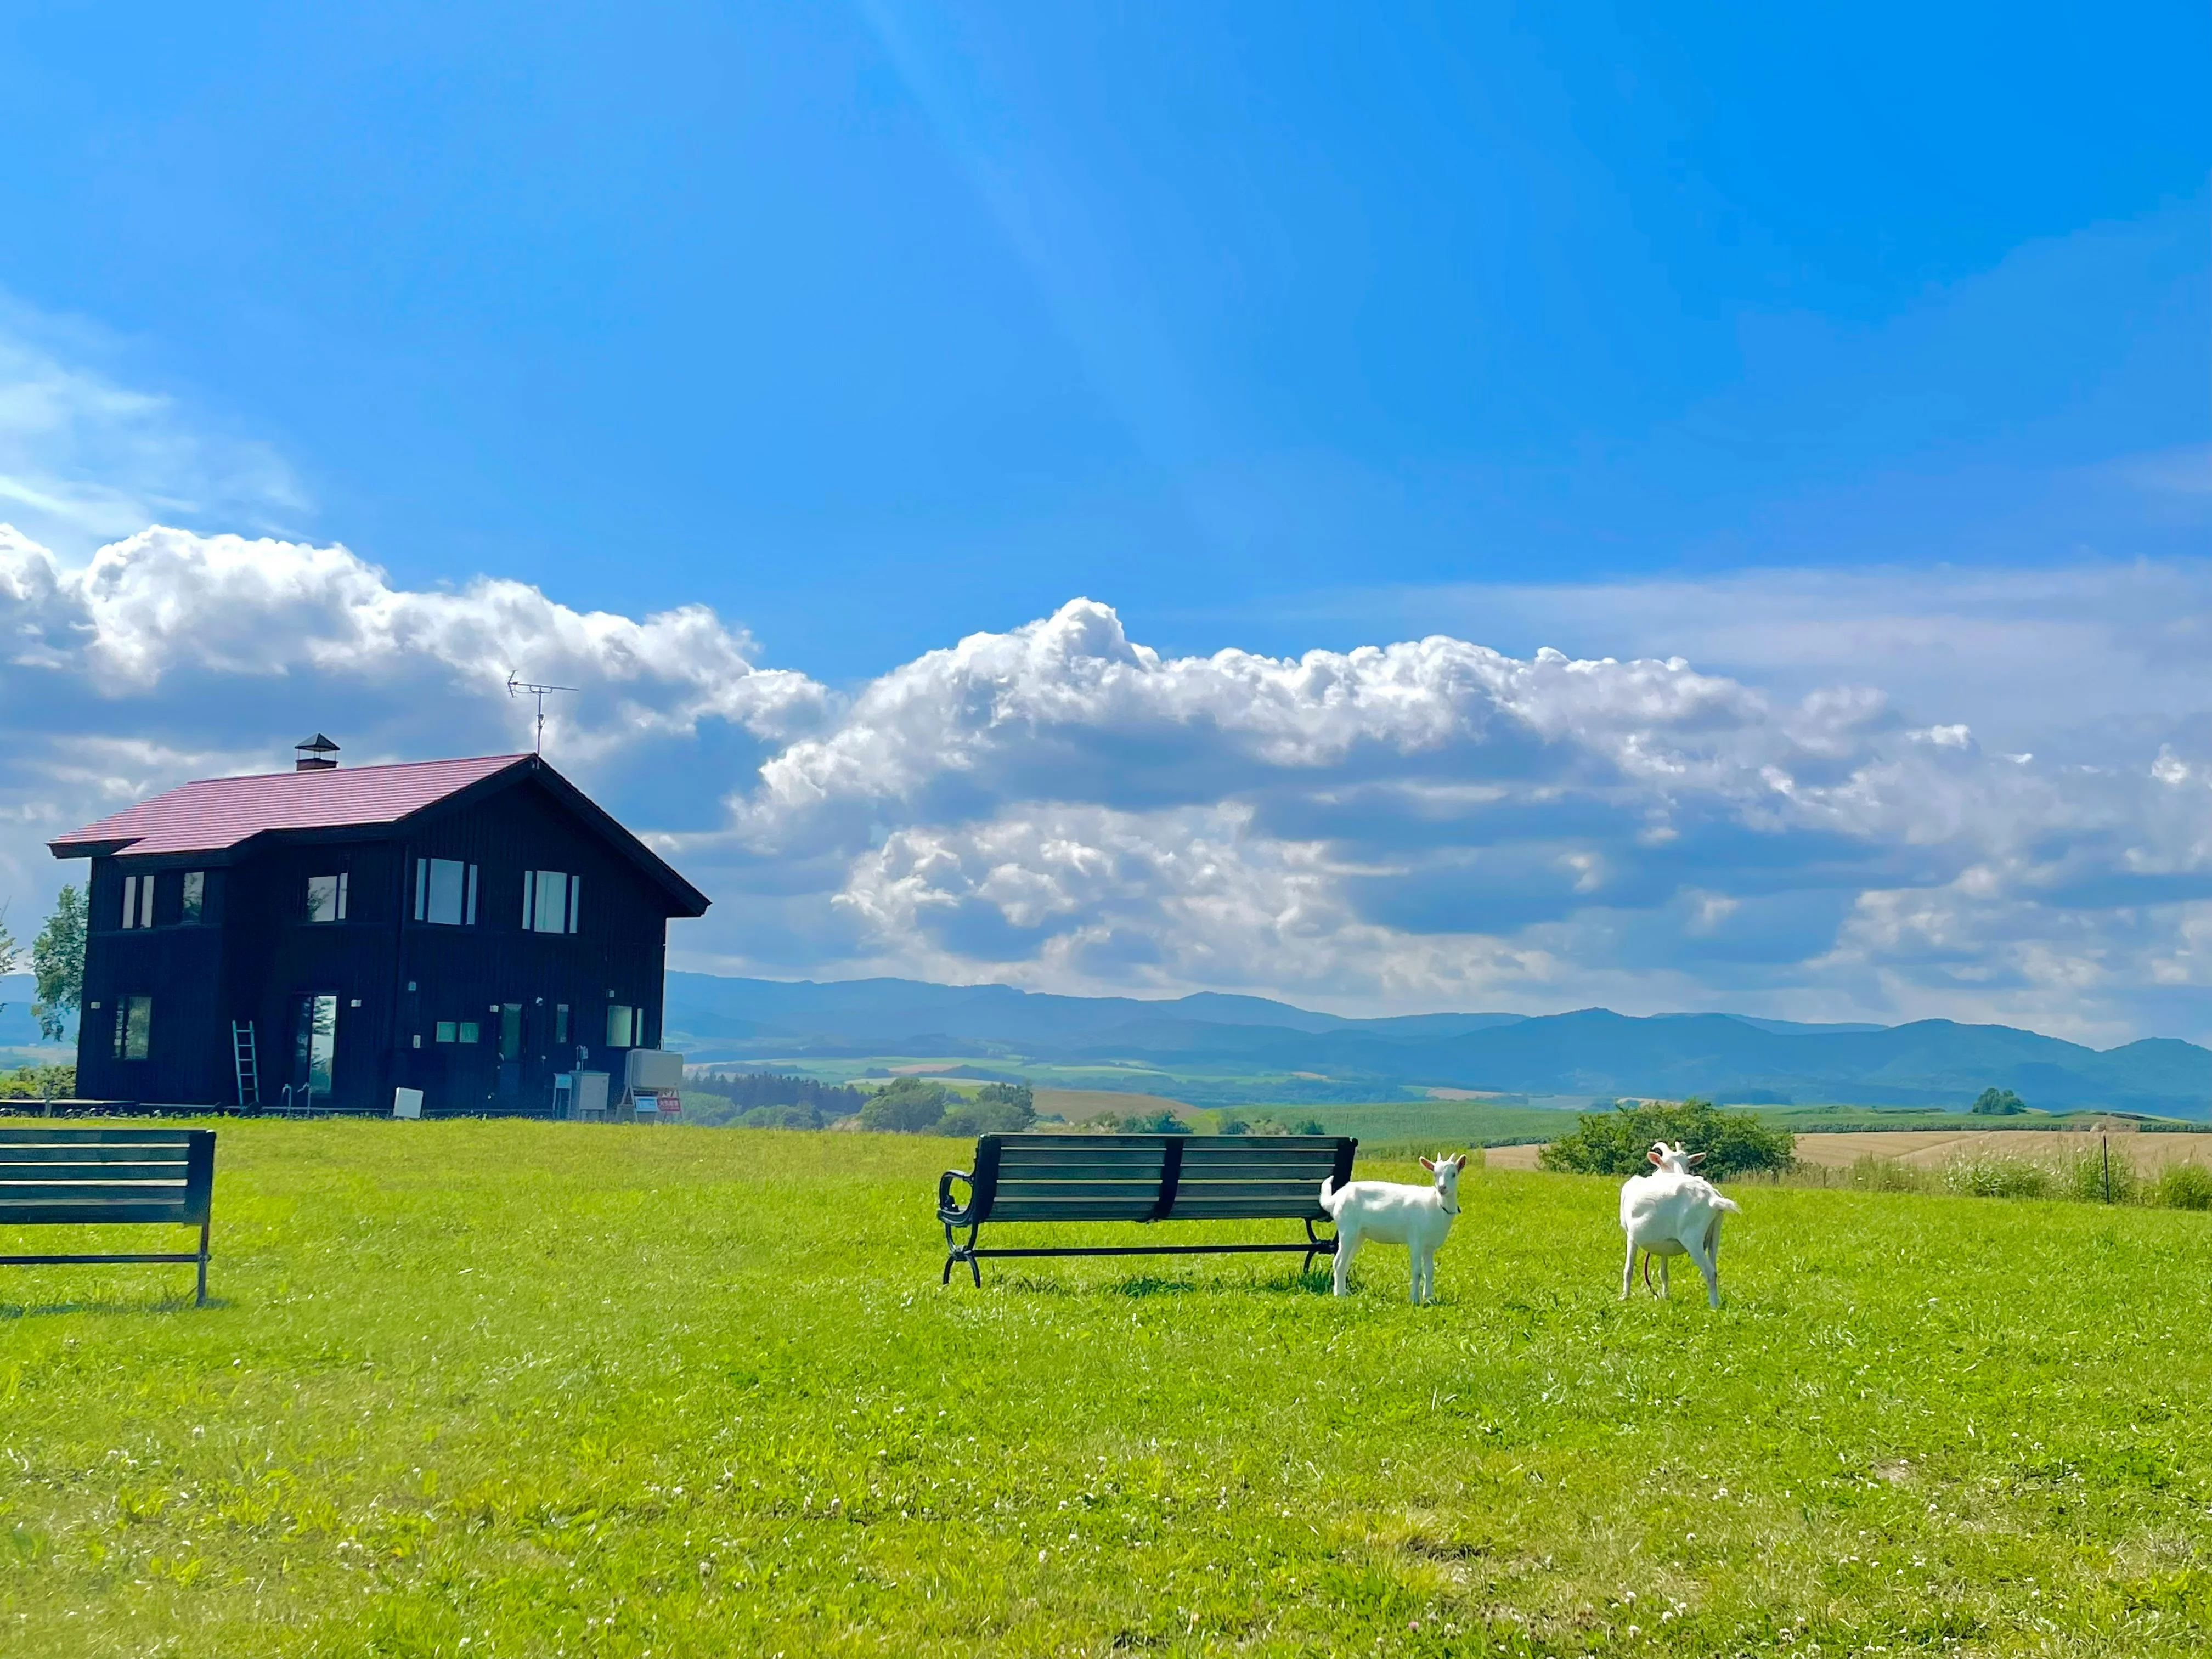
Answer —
326 897
625 1026
446 892
550 899
195 905
138 900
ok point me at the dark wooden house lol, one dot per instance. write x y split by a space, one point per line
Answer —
470 928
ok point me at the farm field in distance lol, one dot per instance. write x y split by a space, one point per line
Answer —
577 1389
1924 1148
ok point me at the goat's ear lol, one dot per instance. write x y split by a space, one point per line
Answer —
1697 1158
1459 1162
1651 1157
1426 1164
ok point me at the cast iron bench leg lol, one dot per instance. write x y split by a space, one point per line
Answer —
955 1252
1320 1247
201 1301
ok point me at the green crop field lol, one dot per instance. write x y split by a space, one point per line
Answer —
1433 1125
509 1388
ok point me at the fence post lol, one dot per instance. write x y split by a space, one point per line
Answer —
2107 1139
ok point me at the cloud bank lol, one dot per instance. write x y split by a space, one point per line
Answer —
1426 824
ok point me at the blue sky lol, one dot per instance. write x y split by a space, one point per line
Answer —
734 362
873 325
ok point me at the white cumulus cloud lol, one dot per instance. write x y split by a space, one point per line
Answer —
1426 823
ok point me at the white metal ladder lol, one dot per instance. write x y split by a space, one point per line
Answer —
243 1062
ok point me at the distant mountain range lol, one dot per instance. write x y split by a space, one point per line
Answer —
17 1029
1253 1048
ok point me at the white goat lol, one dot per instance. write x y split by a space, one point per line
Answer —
1670 1213
1419 1217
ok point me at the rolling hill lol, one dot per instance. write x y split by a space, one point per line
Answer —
1229 1048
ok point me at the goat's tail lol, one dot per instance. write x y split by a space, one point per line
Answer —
1726 1204
1331 1201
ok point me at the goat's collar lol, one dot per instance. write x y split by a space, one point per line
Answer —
1449 1209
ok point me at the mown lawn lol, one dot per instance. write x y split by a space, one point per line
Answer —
516 1388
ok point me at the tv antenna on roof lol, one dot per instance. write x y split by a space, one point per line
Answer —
519 687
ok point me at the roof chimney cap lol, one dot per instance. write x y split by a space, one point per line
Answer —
315 754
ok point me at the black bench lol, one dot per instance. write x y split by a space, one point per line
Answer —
70 1177
1048 1177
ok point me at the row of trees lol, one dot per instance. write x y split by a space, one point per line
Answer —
768 1100
57 960
915 1106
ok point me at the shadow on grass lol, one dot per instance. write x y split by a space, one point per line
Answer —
166 1304
1319 1283
1151 1284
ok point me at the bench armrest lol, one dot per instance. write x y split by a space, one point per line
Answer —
946 1211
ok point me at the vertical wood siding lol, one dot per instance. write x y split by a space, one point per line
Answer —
394 978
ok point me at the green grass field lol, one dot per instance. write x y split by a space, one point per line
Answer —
476 1388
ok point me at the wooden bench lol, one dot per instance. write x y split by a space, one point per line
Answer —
1048 1177
70 1177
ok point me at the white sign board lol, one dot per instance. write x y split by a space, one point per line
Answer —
406 1103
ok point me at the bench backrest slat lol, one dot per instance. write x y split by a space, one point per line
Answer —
145 1151
94 1170
53 1176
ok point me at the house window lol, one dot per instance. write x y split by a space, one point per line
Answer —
326 897
621 1025
315 1043
446 892
134 1023
469 1032
510 1031
550 901
560 1022
195 905
447 1031
137 900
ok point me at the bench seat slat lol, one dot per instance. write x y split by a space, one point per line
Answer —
1092 1210
1231 1209
91 1215
173 1139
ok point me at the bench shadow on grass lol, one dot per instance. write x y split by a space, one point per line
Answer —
1139 1285
165 1305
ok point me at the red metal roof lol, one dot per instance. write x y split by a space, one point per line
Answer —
217 813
